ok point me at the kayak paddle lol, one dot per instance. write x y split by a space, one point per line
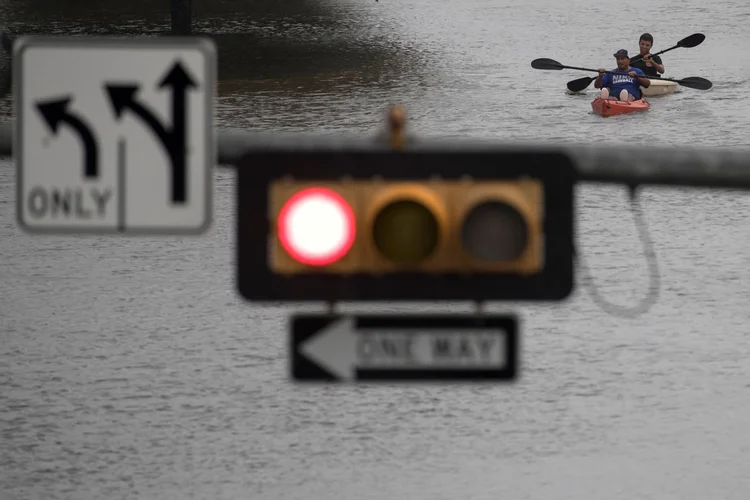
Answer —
692 41
693 82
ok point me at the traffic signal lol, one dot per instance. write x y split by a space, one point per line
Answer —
375 226
388 225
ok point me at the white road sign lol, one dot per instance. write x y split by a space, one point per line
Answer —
114 135
353 348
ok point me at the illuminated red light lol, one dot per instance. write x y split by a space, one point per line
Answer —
316 226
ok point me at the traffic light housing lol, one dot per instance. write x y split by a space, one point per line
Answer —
390 225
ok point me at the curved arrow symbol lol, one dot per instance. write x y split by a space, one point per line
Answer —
174 138
56 112
123 97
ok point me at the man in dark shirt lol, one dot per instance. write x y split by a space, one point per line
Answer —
651 66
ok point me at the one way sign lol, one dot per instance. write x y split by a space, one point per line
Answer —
114 135
404 348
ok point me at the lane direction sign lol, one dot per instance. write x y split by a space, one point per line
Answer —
114 135
404 348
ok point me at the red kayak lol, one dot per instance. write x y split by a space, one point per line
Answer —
604 107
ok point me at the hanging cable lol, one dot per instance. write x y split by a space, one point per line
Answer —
648 246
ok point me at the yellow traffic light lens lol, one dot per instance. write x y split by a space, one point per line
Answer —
494 231
405 231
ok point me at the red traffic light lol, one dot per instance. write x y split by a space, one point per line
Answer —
316 226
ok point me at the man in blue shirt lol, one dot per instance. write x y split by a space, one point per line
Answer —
625 84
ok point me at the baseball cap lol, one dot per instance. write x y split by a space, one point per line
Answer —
621 52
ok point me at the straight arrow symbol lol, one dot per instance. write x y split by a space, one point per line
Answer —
179 81
346 350
56 112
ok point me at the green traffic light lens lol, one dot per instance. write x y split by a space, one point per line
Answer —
494 232
406 232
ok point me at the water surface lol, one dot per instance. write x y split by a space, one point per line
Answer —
130 368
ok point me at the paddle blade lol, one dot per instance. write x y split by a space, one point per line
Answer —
580 84
695 82
545 63
692 41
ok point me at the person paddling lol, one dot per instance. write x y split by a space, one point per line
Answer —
650 65
625 84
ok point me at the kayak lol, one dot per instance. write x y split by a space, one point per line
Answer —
659 87
605 107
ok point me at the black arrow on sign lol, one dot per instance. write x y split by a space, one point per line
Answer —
180 81
56 112
174 138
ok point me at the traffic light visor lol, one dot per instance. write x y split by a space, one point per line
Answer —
316 226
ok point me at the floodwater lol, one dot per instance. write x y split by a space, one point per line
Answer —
130 368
